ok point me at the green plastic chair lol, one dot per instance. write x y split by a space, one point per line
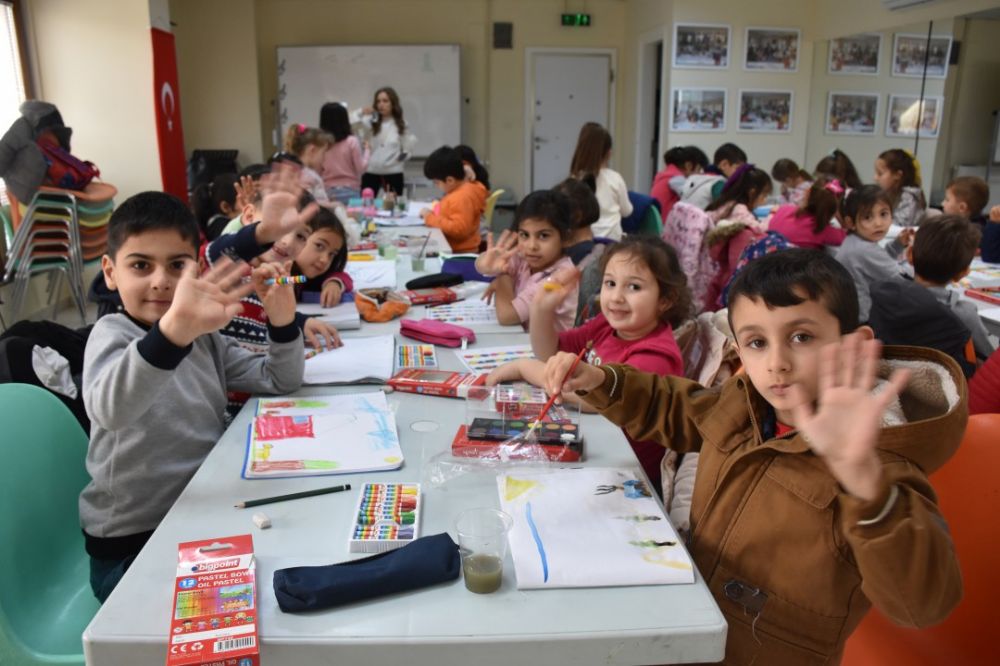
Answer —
45 596
651 224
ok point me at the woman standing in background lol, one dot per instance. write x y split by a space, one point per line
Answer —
391 141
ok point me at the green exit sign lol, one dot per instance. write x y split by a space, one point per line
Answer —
576 19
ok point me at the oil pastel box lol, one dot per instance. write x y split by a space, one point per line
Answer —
387 516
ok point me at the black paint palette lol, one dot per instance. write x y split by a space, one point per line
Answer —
548 432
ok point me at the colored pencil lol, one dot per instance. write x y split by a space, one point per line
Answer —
281 498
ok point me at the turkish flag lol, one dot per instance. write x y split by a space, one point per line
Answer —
169 134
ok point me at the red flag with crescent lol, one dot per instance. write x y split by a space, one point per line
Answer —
169 134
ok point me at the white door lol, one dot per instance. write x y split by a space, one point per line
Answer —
569 90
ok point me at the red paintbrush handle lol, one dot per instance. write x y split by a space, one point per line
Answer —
569 373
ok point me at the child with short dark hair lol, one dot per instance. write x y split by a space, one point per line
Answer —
678 164
942 252
867 216
526 255
461 208
898 173
155 376
812 480
727 159
967 196
808 224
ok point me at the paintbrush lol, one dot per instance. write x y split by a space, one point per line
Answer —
529 434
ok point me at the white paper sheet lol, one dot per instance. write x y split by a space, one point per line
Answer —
589 527
360 360
344 316
368 274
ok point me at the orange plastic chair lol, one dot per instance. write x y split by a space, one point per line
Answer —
968 488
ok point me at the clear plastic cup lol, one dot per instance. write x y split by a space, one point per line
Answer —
482 542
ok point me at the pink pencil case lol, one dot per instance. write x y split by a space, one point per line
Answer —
436 332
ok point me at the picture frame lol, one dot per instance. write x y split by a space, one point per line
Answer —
765 111
857 54
698 109
771 49
701 46
908 55
904 110
852 113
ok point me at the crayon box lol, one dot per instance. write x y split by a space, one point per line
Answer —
387 517
214 617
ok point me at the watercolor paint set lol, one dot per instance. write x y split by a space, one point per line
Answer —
387 517
500 429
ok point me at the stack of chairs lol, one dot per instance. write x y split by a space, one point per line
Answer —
55 234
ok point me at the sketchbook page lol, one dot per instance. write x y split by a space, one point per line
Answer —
359 436
982 274
359 360
413 208
368 274
344 316
590 528
485 359
464 312
404 221
992 314
472 289
317 404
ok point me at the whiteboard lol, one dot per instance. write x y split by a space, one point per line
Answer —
427 79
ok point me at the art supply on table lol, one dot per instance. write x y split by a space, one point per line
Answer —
463 446
359 361
985 294
531 433
375 273
629 540
387 517
546 432
261 520
291 496
415 356
430 296
436 332
417 262
485 359
343 316
215 611
443 383
335 434
482 543
464 312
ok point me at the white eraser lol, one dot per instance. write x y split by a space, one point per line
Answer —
261 520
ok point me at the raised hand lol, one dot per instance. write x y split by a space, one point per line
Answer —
493 260
204 304
555 289
279 204
844 425
278 299
995 214
246 189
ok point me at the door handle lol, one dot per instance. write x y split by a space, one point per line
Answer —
541 139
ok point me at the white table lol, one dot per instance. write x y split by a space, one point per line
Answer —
435 626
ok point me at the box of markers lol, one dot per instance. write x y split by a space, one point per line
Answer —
387 517
214 618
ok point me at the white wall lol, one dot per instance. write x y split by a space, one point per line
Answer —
762 148
94 61
863 150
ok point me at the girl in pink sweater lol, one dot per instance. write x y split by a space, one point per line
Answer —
808 225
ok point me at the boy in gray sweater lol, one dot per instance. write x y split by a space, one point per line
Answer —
867 215
155 376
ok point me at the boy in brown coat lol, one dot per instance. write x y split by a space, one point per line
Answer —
811 501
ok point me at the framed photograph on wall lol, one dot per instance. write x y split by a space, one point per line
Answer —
701 46
909 51
857 54
765 111
697 110
772 49
851 113
906 112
